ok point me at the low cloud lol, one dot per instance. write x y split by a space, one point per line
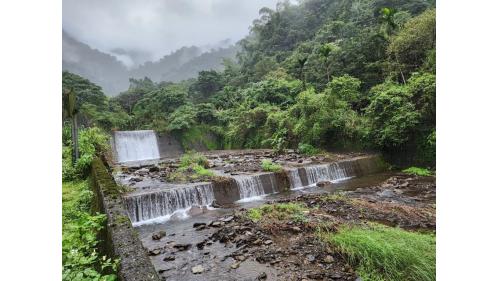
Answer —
154 28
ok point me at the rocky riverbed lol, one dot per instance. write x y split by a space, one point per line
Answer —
225 162
226 244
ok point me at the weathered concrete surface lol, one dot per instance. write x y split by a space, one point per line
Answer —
225 190
169 146
120 239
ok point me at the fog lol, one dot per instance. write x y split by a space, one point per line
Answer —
139 30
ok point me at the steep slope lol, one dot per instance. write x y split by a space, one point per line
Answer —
100 68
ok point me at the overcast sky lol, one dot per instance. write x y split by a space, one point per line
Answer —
158 27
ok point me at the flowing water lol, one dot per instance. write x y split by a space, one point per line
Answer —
249 187
294 177
136 145
161 205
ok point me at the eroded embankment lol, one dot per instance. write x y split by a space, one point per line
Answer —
120 240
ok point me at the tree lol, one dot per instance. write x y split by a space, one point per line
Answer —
301 63
325 51
208 83
71 111
411 47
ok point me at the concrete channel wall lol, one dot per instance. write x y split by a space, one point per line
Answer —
120 238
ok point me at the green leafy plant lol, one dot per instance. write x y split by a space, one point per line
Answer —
91 142
418 171
81 260
307 149
269 166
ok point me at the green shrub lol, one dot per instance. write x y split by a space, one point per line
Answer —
91 142
307 149
269 166
416 171
385 253
194 158
80 258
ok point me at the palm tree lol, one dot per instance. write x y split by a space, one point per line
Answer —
302 62
71 111
325 51
387 17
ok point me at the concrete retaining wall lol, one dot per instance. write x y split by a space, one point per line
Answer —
120 239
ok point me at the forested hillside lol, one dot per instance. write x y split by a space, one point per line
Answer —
111 74
322 74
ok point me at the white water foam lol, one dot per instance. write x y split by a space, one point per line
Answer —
161 205
136 145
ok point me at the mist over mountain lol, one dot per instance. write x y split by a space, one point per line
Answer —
112 71
103 69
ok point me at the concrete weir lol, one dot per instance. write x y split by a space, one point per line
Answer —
161 203
151 200
143 146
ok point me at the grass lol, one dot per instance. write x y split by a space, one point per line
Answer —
268 166
385 253
337 196
416 171
193 166
194 158
283 211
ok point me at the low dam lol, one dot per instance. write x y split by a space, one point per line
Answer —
153 202
143 147
163 203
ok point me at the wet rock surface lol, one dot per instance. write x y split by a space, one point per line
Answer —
227 245
227 163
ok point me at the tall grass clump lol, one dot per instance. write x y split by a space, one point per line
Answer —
385 253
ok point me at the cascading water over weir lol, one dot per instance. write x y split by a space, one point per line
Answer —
252 186
310 175
136 145
162 204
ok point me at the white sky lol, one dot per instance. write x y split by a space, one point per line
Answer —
158 27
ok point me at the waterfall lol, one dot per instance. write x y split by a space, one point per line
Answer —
136 145
327 172
161 204
249 186
294 177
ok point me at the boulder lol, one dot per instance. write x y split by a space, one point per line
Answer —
197 269
158 235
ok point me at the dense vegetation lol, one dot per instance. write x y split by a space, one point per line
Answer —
80 256
335 75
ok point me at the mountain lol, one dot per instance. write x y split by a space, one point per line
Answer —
184 63
110 72
102 69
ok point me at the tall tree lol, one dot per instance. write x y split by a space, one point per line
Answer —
72 113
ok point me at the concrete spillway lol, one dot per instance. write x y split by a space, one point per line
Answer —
136 145
342 170
162 204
